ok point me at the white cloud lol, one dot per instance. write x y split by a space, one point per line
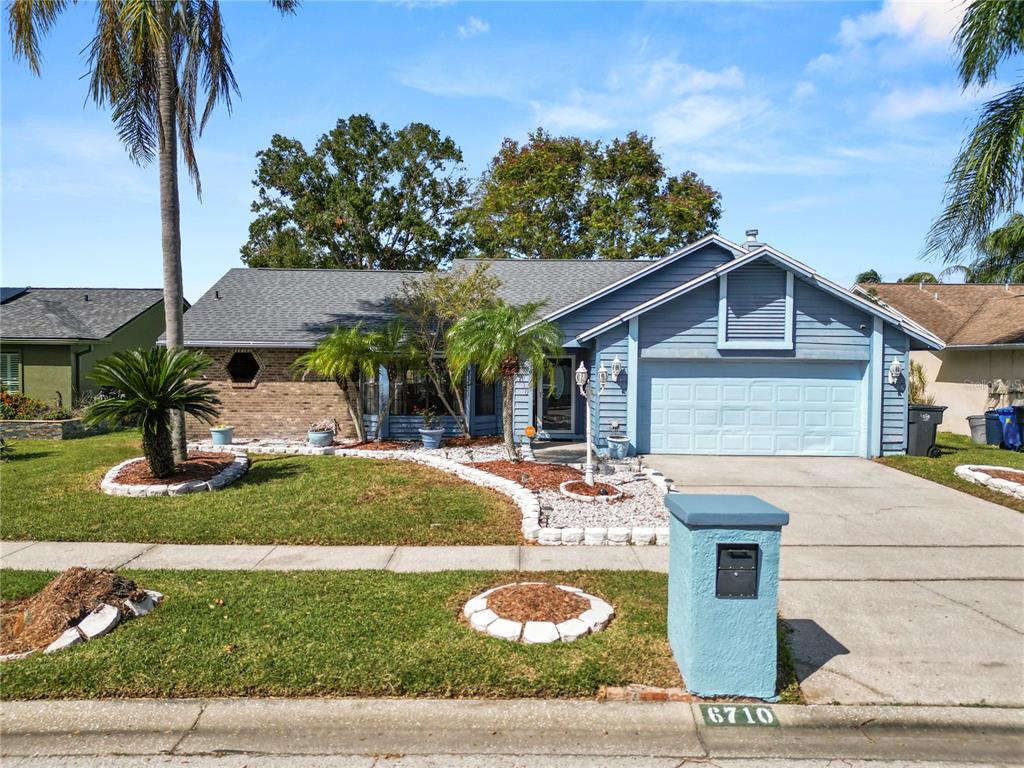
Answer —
932 21
903 104
803 91
474 26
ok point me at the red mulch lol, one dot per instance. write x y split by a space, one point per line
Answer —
383 445
1014 476
198 466
530 474
582 489
536 602
32 623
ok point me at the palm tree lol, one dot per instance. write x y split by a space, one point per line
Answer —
392 350
151 61
347 356
500 340
1000 257
987 180
150 384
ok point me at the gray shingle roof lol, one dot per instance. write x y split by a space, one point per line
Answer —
298 307
289 307
64 313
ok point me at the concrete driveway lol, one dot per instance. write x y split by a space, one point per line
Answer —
899 590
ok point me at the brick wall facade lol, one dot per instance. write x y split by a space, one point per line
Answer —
277 403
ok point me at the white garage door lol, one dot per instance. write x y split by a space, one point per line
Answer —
769 408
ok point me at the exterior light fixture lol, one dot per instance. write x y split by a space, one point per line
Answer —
616 367
582 374
895 371
602 376
582 377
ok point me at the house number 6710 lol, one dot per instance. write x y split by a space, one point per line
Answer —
740 714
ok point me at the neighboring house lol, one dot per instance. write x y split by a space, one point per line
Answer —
982 325
50 338
724 349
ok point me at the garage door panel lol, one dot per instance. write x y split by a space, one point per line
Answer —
751 408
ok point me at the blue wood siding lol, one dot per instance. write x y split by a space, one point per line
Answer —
522 415
655 284
612 402
755 303
407 427
826 328
895 397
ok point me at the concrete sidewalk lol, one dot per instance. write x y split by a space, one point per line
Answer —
835 563
551 732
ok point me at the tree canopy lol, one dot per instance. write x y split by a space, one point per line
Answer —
567 198
367 197
868 276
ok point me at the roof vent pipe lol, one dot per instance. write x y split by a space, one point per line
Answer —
752 241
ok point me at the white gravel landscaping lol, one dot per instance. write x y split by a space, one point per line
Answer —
549 518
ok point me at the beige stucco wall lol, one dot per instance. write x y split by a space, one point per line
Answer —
970 382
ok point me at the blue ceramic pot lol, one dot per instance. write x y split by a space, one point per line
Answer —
320 439
431 437
222 435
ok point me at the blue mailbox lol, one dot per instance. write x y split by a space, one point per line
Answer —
723 586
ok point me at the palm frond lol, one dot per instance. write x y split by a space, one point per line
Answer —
28 22
992 31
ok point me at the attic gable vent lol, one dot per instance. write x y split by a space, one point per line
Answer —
755 309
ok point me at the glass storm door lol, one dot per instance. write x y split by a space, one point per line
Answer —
555 398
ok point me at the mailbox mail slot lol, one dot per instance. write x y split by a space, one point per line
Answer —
737 570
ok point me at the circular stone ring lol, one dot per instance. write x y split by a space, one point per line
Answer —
483 619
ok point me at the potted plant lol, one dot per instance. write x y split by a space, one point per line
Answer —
222 434
618 445
321 433
431 432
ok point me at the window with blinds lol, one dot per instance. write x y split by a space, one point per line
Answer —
10 371
756 308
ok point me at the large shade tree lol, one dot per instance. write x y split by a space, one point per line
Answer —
567 198
501 341
162 66
987 179
147 386
367 196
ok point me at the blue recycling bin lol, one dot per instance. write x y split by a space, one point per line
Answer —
723 585
1011 427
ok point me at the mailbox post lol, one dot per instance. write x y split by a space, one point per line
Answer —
723 592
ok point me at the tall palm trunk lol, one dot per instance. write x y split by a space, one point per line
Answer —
354 401
170 214
157 450
508 397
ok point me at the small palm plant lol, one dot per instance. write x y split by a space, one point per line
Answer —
346 355
149 385
391 349
499 340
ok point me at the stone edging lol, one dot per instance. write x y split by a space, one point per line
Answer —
238 467
483 619
526 500
975 473
591 499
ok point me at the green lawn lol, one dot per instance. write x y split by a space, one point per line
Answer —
51 492
958 449
352 633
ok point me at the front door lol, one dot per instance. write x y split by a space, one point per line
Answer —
556 411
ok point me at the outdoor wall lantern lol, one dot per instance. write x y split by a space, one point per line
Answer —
895 371
616 367
582 379
602 376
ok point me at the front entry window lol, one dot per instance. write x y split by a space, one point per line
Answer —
555 397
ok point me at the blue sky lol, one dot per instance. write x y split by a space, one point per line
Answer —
828 126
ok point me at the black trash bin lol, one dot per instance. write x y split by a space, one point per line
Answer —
922 421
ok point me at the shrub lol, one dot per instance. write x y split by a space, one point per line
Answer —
16 405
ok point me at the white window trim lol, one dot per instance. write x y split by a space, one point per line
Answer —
16 354
539 393
723 313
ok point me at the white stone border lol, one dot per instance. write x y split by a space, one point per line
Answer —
975 473
238 467
526 500
563 489
483 619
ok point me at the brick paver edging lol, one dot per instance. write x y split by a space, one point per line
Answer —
226 476
483 619
976 473
525 499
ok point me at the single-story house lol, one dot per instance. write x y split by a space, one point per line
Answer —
982 326
50 338
722 348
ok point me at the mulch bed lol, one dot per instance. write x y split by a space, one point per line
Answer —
470 442
1012 475
383 445
198 466
32 623
531 474
536 602
582 489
